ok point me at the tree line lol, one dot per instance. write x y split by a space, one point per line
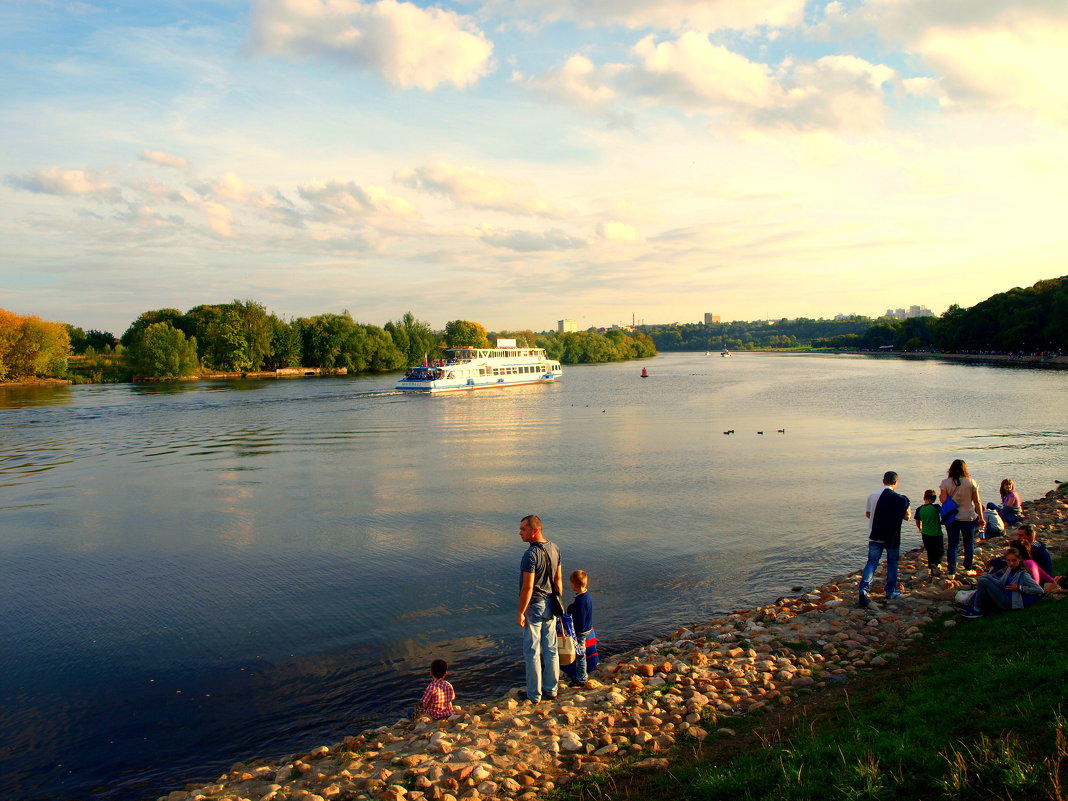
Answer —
755 335
1028 320
243 337
1021 320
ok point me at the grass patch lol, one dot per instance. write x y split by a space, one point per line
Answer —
972 712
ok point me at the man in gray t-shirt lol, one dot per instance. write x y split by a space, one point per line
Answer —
540 575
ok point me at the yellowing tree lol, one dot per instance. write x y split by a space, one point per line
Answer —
31 347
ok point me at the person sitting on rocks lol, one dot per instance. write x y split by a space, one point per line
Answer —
1037 573
995 526
439 694
1011 505
1011 589
1038 550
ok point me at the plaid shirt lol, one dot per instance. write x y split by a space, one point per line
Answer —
437 699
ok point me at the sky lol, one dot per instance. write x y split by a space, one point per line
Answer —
516 162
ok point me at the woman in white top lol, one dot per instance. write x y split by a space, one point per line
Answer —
965 493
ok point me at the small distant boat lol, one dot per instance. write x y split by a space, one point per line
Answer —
726 354
645 373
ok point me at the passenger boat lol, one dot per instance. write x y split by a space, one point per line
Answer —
483 368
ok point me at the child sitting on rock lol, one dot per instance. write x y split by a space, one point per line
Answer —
581 611
439 694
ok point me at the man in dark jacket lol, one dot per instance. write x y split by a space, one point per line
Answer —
886 510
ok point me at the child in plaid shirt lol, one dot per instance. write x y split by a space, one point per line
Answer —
439 694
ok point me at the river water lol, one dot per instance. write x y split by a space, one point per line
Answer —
196 574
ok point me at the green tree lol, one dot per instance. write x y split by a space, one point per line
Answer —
137 328
100 340
202 323
336 340
78 340
285 345
553 343
459 333
326 338
162 351
413 338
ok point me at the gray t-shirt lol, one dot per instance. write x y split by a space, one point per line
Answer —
542 559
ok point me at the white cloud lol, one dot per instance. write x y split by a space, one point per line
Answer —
1014 66
578 82
833 93
67 183
336 201
468 186
984 54
231 189
616 231
409 46
220 218
530 241
705 15
697 77
163 159
141 216
693 73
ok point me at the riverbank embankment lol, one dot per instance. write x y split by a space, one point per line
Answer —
684 686
1001 359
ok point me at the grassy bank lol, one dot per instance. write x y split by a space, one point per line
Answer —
974 710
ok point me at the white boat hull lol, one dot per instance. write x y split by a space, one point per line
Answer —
482 368
491 382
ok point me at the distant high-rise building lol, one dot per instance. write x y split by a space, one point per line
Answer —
913 311
711 318
566 326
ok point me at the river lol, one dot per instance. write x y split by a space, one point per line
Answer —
196 574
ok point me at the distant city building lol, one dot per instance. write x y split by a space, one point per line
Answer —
566 326
711 318
913 311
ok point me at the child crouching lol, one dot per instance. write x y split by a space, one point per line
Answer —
439 694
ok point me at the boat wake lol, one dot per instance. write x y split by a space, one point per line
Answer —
383 394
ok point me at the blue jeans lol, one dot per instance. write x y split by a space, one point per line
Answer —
580 658
1010 514
875 553
989 595
955 532
539 650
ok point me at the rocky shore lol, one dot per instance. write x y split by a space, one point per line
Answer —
643 702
